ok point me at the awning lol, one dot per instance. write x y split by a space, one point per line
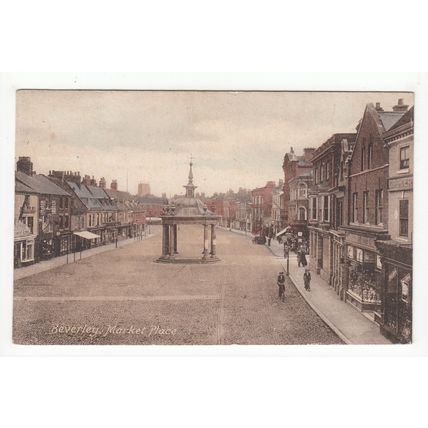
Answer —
87 235
282 231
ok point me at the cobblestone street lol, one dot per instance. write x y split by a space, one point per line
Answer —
123 297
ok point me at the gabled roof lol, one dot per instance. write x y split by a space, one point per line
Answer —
40 184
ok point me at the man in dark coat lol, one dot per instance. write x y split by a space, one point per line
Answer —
281 286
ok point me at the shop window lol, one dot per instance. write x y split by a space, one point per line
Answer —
404 157
362 283
404 217
378 206
27 251
354 207
365 207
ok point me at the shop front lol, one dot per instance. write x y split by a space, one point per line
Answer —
24 246
364 272
396 313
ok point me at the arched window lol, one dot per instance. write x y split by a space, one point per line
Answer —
302 190
302 213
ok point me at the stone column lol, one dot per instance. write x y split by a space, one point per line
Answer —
171 241
205 252
164 240
213 241
175 238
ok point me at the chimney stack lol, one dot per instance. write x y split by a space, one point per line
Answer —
308 153
378 107
400 106
113 185
25 165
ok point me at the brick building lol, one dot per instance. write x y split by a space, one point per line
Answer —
367 208
53 213
396 253
215 204
326 208
298 206
25 224
294 166
262 207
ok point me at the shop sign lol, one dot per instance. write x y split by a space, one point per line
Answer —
360 240
401 183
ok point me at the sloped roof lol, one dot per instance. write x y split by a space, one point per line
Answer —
22 188
93 197
40 184
389 118
406 118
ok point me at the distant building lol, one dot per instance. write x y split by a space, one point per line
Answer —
143 189
262 207
153 205
294 166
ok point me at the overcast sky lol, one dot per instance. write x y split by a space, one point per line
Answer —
237 139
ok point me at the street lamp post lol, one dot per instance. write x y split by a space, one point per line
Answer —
287 255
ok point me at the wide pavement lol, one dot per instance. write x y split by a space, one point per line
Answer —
123 297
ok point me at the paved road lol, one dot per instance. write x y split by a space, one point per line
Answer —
123 297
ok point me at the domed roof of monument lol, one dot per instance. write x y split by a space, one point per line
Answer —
188 205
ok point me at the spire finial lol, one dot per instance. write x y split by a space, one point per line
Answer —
190 170
190 187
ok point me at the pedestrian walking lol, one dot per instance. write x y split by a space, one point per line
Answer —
307 279
304 261
269 239
281 286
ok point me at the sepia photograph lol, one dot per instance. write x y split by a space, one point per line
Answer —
198 217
